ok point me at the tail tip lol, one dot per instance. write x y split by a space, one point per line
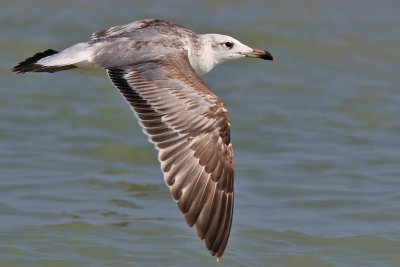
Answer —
29 64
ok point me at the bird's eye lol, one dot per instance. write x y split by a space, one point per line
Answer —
228 44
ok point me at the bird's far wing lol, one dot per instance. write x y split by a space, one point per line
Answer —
133 26
189 125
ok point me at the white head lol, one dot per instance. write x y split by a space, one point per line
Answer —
217 48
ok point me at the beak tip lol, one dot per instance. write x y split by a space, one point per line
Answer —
267 56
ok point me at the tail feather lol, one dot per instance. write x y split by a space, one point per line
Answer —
30 64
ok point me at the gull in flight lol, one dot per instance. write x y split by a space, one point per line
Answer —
156 65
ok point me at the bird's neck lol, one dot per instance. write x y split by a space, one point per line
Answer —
200 55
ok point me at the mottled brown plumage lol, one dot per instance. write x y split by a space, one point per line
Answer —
189 125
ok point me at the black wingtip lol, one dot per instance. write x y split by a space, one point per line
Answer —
29 64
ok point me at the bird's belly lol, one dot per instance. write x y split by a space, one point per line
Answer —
87 68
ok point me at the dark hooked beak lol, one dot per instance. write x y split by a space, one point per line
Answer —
259 53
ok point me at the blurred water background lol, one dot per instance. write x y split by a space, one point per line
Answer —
316 136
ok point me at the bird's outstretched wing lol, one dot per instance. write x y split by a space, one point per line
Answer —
189 126
133 26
